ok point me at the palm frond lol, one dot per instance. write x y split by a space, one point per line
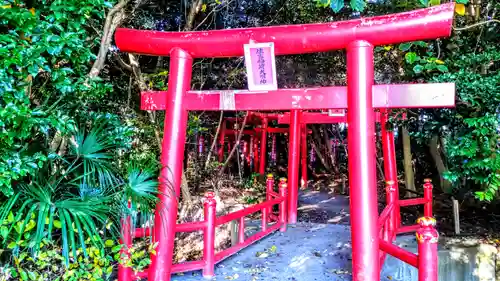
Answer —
76 216
141 188
92 149
78 194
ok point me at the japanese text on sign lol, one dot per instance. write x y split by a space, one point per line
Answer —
260 64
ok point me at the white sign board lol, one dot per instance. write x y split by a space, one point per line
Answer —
261 66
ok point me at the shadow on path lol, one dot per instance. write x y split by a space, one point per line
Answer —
323 207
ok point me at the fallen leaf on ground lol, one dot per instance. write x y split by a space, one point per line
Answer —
233 277
262 255
339 271
273 249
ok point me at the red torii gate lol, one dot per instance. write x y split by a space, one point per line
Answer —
360 97
254 118
262 132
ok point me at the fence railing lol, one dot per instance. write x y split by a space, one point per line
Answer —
270 222
427 237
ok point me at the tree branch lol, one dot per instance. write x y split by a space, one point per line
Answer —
212 147
476 24
134 64
122 63
235 147
136 70
193 11
113 19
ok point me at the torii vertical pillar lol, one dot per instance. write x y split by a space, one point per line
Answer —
222 136
362 173
293 165
263 148
172 157
390 167
256 155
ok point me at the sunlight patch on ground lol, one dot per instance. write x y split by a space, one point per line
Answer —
308 207
299 263
338 218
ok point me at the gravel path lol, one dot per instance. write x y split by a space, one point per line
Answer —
317 248
301 254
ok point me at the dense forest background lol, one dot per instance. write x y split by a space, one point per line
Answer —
77 153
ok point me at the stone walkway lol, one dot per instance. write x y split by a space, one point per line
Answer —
322 207
306 251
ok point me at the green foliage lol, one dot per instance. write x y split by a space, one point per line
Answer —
358 5
139 254
140 188
65 183
46 53
338 5
470 132
424 3
77 196
419 59
95 264
472 146
88 262
195 124
255 187
157 80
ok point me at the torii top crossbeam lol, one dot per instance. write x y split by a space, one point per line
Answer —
422 24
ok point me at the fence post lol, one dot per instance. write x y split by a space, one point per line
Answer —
390 164
428 197
125 272
283 208
390 189
209 208
267 210
241 230
269 189
263 148
427 239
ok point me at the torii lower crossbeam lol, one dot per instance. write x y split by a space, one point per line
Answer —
384 96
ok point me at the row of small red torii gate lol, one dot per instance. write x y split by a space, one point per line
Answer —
372 237
254 141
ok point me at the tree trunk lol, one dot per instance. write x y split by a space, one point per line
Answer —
186 195
215 140
235 147
408 166
329 147
317 137
438 160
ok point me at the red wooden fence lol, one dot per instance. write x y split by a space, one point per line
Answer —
270 222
